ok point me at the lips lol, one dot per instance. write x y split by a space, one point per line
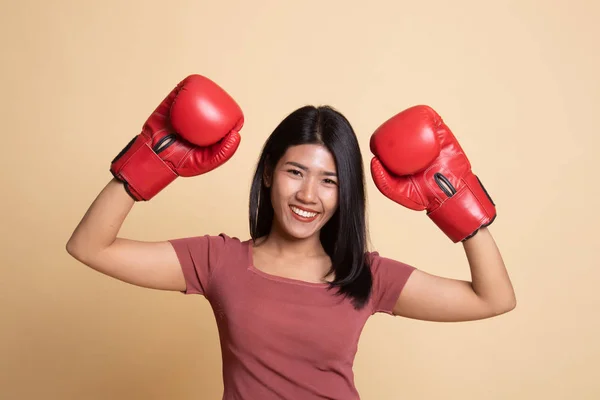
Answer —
303 214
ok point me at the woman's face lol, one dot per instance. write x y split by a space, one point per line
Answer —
304 190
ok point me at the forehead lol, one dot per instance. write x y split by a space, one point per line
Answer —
313 156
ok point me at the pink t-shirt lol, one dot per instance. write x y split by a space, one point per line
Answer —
282 338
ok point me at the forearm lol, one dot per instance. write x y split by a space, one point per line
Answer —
102 221
490 279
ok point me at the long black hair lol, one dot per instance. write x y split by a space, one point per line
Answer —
344 237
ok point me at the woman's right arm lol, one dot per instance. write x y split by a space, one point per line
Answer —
95 243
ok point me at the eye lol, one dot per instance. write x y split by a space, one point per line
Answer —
330 182
294 172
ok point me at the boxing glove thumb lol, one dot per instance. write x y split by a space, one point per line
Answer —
402 147
399 189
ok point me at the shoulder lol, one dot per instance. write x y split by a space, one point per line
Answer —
203 256
379 263
221 244
389 278
221 238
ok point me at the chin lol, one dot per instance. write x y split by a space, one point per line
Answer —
300 234
296 231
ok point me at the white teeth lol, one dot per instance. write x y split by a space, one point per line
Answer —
303 213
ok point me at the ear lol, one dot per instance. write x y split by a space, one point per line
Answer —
267 175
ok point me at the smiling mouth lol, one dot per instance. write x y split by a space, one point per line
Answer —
308 215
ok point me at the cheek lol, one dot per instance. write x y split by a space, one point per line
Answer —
282 189
330 199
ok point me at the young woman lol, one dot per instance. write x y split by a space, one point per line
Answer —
291 301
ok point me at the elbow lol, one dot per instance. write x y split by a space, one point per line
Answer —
75 251
506 306
70 247
72 250
510 306
84 252
513 304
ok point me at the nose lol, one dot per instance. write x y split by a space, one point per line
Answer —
308 192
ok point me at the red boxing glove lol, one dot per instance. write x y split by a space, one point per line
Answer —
193 131
419 164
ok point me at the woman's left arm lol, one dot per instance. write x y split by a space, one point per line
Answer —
435 298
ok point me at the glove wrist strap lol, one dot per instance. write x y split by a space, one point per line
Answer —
465 212
144 172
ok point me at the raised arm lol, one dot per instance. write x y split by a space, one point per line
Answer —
489 293
95 243
193 131
419 164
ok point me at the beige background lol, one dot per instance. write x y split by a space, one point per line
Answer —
517 81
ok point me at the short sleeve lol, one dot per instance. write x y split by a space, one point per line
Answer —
199 257
389 278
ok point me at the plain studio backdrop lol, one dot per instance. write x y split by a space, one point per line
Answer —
516 81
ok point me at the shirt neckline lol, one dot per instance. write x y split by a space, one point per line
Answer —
277 278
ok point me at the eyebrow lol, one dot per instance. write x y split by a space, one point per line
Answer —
305 168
